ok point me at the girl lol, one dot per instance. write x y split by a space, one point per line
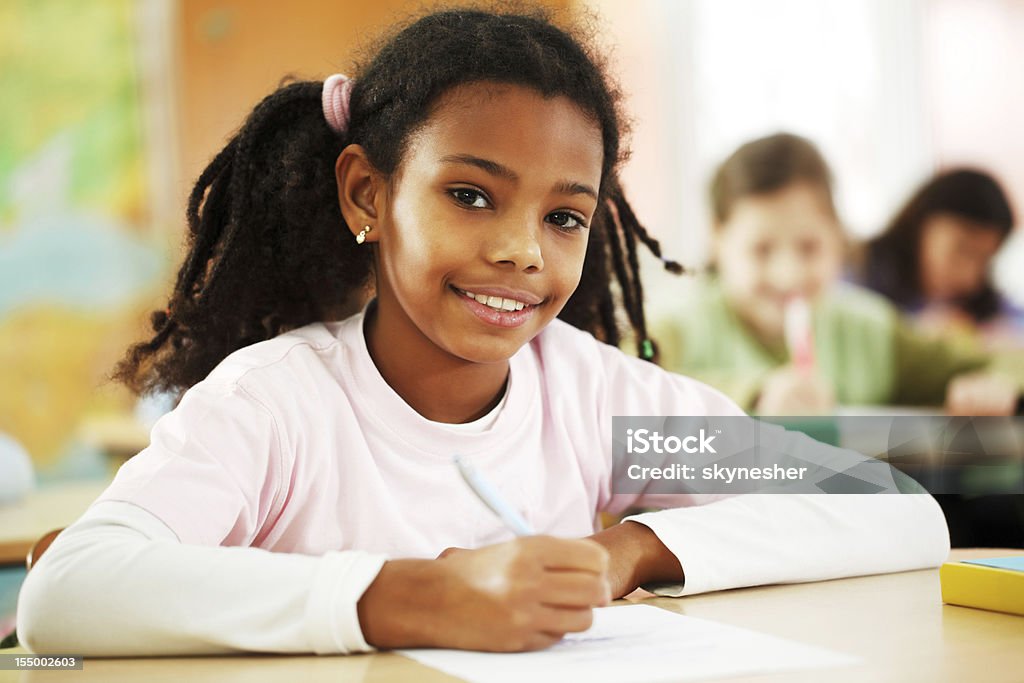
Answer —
777 247
933 260
296 497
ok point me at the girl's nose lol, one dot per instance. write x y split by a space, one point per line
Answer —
517 243
786 273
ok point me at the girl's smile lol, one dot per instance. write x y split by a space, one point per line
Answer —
499 306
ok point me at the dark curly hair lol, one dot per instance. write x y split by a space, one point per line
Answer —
891 261
265 250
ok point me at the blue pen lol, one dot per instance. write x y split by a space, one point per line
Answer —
489 496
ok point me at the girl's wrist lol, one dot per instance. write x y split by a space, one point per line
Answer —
399 608
638 557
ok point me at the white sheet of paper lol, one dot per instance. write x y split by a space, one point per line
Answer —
638 643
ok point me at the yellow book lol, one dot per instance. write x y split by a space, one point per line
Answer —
995 583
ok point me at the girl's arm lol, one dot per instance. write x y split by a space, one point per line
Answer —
752 540
637 557
119 583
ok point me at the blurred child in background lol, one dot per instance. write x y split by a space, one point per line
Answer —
775 328
934 258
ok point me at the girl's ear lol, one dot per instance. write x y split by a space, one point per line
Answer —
361 192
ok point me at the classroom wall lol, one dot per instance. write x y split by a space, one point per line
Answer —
78 251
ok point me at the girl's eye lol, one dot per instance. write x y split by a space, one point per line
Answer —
471 198
566 221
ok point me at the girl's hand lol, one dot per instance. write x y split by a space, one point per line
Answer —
520 595
791 391
637 557
982 393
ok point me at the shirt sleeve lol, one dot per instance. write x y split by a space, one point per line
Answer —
118 582
761 539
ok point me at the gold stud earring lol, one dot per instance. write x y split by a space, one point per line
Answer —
361 237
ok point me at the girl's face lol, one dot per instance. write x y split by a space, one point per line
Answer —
773 247
955 255
485 232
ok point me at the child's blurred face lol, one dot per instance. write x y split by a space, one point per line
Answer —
776 246
486 229
954 256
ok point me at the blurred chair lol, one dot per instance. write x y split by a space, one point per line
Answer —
39 547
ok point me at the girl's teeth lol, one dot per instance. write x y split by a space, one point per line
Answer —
497 302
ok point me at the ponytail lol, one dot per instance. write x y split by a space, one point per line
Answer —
268 249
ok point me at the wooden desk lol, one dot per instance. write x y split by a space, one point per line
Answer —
48 508
895 622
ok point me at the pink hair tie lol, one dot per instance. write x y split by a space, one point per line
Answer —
336 96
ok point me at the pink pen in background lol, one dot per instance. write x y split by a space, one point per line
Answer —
799 333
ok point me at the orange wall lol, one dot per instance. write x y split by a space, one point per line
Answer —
231 53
